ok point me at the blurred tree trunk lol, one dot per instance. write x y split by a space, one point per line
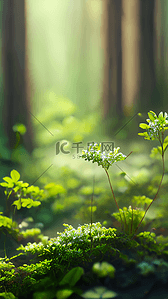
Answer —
130 55
161 41
147 50
16 99
112 82
129 42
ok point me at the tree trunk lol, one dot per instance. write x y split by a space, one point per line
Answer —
16 106
148 77
130 55
112 82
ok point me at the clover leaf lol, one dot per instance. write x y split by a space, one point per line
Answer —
15 176
26 203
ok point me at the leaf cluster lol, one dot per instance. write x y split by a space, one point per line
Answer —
130 218
27 197
93 153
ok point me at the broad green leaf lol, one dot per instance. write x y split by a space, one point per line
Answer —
63 294
36 203
99 293
7 185
160 116
17 203
152 115
143 126
26 203
32 189
166 139
94 208
7 295
15 175
19 184
16 188
145 134
25 185
165 115
159 149
5 221
8 179
165 145
19 128
72 276
103 269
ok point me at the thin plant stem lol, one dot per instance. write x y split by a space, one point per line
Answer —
8 210
157 190
91 212
4 247
114 195
111 188
132 220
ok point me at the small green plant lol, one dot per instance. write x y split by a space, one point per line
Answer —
27 197
129 218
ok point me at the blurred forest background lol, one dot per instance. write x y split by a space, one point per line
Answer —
81 71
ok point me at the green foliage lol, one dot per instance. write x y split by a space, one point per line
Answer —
7 295
103 269
141 201
21 190
60 257
130 218
72 276
30 232
91 239
54 189
61 121
6 222
73 183
157 126
66 203
19 128
99 292
27 198
146 269
94 154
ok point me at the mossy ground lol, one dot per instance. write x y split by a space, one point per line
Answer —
43 266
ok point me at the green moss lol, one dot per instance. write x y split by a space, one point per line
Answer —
74 247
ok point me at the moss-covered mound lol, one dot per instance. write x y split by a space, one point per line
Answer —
80 259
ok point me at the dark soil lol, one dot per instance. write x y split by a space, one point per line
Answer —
128 282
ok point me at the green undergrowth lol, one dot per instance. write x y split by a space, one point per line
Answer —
55 267
60 262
